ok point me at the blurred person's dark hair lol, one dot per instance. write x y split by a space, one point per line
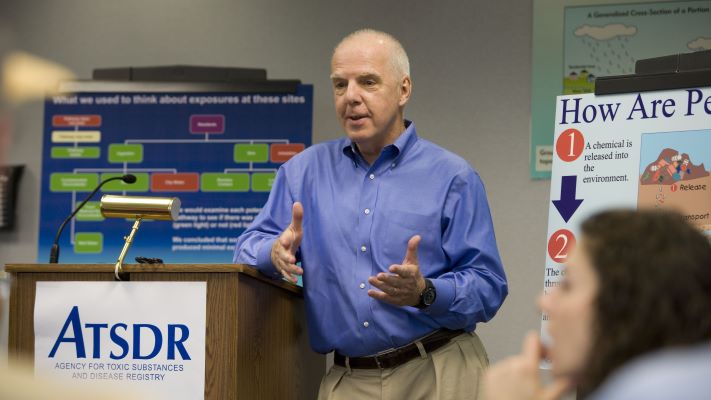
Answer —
654 272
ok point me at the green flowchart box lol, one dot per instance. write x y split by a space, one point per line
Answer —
141 185
68 182
125 153
251 153
263 181
88 242
76 152
90 212
224 182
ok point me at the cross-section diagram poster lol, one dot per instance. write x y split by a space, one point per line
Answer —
217 152
576 41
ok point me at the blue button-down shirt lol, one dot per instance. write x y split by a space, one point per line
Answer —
357 221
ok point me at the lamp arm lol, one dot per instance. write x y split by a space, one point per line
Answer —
129 239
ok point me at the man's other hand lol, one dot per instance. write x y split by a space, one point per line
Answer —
285 247
404 284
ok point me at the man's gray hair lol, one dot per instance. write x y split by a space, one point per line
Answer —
398 57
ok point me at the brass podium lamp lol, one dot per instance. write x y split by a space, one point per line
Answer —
140 208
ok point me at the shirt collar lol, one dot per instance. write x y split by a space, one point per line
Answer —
404 142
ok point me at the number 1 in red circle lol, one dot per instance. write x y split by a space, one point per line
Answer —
560 244
569 145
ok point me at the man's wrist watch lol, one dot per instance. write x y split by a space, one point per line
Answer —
428 296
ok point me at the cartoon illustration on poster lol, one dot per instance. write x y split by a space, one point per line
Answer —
674 173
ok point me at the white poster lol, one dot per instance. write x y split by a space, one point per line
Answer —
649 149
147 337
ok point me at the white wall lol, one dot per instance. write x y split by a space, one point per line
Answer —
471 68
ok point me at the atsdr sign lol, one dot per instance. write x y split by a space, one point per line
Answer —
148 337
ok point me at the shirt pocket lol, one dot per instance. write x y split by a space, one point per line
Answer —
400 226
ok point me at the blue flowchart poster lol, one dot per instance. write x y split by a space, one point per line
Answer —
217 152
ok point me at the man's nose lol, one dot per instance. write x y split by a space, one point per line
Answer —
353 93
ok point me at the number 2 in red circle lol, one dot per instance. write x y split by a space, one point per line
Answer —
560 244
569 145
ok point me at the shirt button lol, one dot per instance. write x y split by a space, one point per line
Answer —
367 211
362 286
372 176
363 248
366 324
392 165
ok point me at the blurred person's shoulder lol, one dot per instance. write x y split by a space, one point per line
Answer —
679 373
17 381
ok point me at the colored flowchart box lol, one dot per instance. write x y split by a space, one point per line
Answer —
263 181
90 212
180 182
76 120
204 123
125 153
282 152
76 136
245 153
227 182
141 185
76 152
69 182
88 242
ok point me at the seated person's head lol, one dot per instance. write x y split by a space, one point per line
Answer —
637 281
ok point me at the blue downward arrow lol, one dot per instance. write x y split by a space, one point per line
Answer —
568 204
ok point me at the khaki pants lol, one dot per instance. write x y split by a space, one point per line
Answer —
453 371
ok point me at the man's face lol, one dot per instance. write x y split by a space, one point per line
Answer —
367 93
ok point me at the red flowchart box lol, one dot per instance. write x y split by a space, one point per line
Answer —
76 120
282 152
179 182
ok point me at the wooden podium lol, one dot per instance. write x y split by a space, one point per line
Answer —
256 340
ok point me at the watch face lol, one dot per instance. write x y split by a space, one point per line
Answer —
428 297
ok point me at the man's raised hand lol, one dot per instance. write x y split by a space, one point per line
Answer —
285 247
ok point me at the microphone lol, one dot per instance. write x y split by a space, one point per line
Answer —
54 252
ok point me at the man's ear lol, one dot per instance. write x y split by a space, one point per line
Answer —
405 90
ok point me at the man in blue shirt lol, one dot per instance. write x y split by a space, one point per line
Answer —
394 236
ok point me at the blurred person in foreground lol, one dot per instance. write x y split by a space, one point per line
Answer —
637 282
24 77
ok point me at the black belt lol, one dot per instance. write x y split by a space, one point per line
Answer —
401 355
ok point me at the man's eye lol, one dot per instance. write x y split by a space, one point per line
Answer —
339 85
370 82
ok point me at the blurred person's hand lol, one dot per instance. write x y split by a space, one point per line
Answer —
28 77
24 77
518 377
